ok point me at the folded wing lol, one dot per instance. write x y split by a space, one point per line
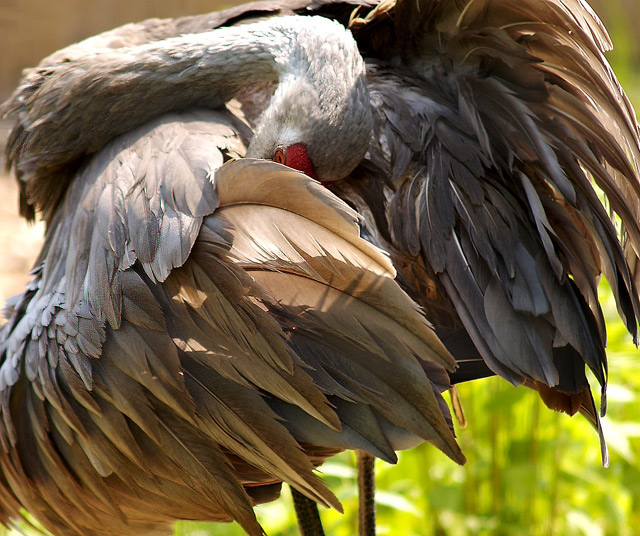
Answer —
194 337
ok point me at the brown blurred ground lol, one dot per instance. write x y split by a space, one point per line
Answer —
33 29
19 241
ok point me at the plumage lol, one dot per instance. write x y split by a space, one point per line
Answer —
519 115
203 327
193 337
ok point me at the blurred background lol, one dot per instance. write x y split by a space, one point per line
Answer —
529 471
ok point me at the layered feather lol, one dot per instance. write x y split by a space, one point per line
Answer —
498 123
192 339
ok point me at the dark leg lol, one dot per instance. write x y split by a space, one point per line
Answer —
367 488
307 514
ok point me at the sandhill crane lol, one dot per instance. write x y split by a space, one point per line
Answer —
485 125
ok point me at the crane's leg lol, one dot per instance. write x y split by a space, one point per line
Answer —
367 489
307 514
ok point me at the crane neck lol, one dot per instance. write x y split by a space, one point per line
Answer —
71 109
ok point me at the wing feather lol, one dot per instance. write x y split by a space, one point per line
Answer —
501 121
208 312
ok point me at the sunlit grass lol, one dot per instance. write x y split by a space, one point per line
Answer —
530 470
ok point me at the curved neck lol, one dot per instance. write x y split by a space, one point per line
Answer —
74 108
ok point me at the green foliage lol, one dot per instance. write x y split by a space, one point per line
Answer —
529 471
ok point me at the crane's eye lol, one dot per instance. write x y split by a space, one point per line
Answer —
280 157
